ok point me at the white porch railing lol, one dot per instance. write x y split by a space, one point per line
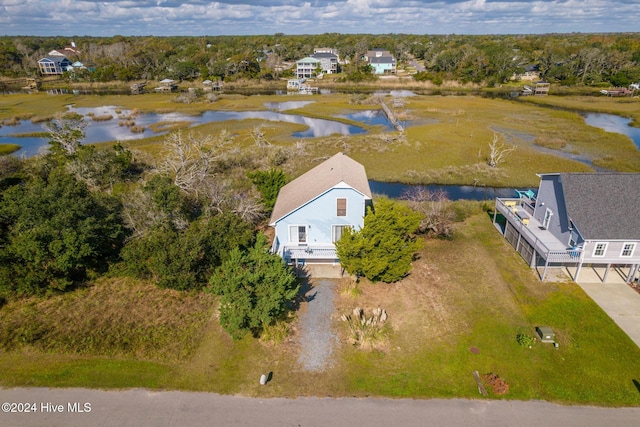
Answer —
290 253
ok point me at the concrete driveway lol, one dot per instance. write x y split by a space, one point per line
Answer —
142 408
616 298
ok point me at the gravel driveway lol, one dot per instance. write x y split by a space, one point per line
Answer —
316 339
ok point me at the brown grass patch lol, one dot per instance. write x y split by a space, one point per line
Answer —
120 317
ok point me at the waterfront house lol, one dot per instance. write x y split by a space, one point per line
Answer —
312 211
576 220
382 61
308 67
54 65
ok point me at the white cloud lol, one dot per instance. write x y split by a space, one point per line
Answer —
178 17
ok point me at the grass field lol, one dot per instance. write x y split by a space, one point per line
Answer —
469 292
447 141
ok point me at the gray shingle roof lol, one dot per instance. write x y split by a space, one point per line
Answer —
603 205
315 182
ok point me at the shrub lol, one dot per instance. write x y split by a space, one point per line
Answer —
256 289
525 340
385 247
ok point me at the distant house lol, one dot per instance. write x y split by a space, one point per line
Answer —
54 65
328 61
531 73
167 85
577 220
307 67
312 211
381 61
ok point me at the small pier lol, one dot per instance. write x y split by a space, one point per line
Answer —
391 117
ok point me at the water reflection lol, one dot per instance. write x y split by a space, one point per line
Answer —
613 123
369 117
287 105
109 123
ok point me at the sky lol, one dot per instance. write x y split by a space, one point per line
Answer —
254 17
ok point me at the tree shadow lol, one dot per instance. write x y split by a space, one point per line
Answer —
637 384
304 277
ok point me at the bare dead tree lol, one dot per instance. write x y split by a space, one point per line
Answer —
258 136
436 208
140 214
191 159
66 133
498 151
248 207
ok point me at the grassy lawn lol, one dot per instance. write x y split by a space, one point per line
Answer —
472 291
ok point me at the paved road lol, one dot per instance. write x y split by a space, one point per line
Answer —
141 408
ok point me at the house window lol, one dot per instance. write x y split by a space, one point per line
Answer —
298 233
627 249
341 207
336 232
600 250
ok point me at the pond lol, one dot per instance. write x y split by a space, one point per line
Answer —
101 128
613 123
396 190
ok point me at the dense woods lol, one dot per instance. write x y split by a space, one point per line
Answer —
569 59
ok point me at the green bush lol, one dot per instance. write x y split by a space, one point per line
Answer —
385 247
256 289
184 259
55 233
525 340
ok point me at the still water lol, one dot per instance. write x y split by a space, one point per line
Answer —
397 190
613 123
113 130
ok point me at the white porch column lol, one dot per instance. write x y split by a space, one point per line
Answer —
606 273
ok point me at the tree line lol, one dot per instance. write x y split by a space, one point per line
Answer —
569 59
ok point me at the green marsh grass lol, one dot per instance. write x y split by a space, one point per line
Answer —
6 149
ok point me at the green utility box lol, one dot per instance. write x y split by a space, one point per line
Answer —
546 334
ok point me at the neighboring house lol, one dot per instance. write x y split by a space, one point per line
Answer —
381 61
531 73
312 211
54 65
307 68
167 85
328 62
577 220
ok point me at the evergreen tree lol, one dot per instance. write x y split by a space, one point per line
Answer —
385 246
256 289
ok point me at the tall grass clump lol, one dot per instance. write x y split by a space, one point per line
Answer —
366 332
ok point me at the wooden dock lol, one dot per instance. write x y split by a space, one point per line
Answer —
391 117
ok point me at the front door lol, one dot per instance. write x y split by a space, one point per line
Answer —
298 234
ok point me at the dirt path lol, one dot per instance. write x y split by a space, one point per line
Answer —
316 338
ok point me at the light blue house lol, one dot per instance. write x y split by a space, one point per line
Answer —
312 211
382 61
